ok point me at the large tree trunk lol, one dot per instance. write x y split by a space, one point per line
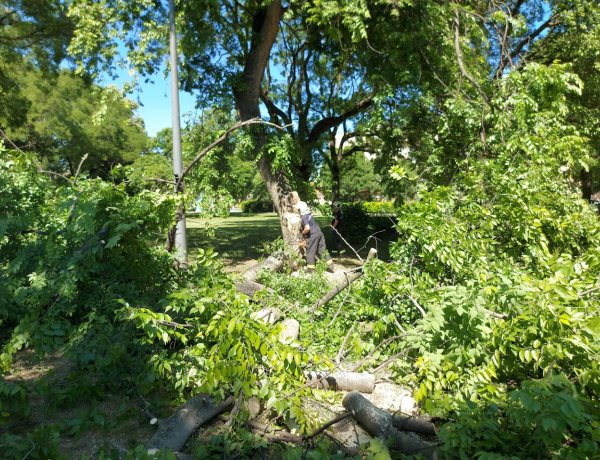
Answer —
247 93
336 176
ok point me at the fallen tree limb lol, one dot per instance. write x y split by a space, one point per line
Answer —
379 423
286 436
343 283
415 424
249 287
363 382
174 431
271 263
331 422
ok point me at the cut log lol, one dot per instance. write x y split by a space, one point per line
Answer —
271 263
249 287
379 423
358 381
343 283
415 424
174 432
290 330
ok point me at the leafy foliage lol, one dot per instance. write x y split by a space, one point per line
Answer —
495 287
82 271
252 206
70 118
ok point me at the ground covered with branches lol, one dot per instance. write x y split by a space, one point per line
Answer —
488 310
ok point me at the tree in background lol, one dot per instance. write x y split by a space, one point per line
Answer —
228 48
575 39
69 118
33 35
357 180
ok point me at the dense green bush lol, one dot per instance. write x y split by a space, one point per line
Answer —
256 206
379 207
83 270
494 291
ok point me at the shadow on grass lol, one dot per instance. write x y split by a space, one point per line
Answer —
241 238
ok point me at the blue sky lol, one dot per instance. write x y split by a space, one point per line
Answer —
155 105
154 99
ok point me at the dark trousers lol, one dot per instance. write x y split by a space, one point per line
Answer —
315 247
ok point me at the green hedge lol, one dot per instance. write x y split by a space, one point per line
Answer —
255 206
365 218
379 207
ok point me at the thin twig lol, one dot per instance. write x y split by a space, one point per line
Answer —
342 303
589 291
83 158
416 304
147 405
174 325
347 244
494 314
30 450
6 138
156 179
387 361
461 65
53 173
372 236
341 350
323 427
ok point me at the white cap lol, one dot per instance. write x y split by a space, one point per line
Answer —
303 208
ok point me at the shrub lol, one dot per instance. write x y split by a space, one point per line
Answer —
255 206
379 207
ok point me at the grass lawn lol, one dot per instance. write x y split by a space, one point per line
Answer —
235 238
241 238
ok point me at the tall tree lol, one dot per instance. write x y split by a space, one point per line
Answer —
69 118
34 34
227 47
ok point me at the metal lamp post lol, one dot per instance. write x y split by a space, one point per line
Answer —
180 232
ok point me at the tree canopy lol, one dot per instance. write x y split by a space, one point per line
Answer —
480 118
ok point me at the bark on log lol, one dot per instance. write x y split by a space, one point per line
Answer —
174 432
249 287
379 423
415 424
271 263
343 283
358 381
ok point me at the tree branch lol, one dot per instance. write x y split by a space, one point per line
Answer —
330 122
220 140
273 110
527 40
461 65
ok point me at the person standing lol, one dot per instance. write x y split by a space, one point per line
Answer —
315 241
336 224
